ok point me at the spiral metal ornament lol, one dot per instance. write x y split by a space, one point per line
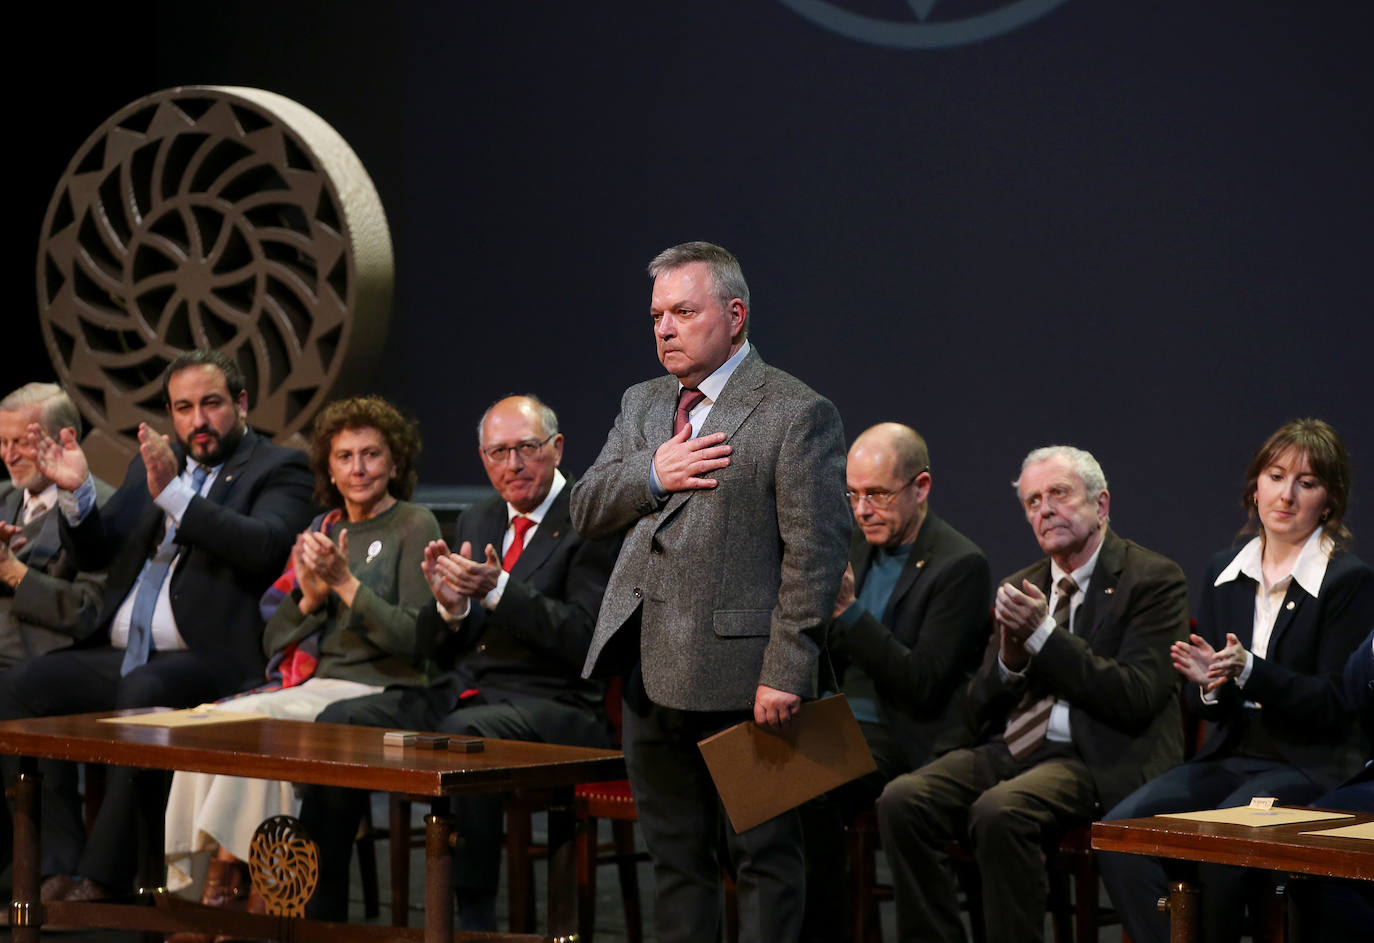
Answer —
285 865
207 216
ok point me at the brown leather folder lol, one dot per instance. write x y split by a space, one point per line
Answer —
761 773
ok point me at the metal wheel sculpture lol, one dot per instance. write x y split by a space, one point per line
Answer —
285 865
208 216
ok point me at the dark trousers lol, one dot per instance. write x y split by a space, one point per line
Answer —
684 827
1135 882
823 820
82 680
331 815
1330 910
1008 809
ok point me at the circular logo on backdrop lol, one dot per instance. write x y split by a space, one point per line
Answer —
933 23
207 216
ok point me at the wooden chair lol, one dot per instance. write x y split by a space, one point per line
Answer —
865 893
366 843
592 802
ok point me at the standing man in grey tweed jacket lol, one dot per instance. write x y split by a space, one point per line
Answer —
727 479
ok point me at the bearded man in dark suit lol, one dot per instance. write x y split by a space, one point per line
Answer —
190 541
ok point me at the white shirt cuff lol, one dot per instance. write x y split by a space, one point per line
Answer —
493 599
1249 667
453 618
1036 640
175 499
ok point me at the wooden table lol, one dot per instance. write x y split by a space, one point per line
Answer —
319 754
1271 848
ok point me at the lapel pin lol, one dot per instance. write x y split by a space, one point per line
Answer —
373 549
920 563
1291 604
1109 590
556 534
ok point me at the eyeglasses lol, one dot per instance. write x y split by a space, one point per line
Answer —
527 450
881 500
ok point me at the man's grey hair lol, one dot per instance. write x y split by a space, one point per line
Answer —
56 409
1094 481
548 420
725 271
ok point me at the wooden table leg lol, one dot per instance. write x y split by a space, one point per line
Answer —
439 839
562 883
398 820
1185 912
152 787
26 911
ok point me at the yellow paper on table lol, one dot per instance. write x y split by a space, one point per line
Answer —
761 773
1364 830
190 717
1257 818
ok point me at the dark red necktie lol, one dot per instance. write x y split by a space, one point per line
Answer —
687 401
521 525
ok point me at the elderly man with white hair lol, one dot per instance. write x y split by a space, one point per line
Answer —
1074 706
44 603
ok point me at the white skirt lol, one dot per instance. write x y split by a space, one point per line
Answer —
205 810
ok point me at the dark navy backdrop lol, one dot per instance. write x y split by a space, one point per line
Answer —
1141 227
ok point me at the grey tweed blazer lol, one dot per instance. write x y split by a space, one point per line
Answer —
733 585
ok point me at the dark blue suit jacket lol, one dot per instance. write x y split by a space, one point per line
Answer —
1359 692
1298 683
234 543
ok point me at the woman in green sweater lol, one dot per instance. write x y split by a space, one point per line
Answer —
346 629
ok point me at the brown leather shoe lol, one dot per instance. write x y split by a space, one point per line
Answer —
227 884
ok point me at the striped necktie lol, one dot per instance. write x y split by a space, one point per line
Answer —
1030 721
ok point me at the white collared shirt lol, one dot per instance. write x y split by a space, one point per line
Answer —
174 500
710 388
43 500
1309 569
493 599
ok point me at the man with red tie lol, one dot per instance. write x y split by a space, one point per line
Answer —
513 615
